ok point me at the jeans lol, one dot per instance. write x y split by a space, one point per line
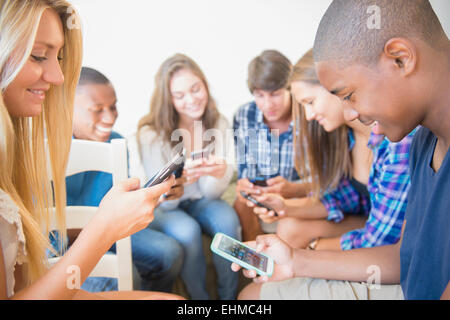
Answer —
186 224
157 258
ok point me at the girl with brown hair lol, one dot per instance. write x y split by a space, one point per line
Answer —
183 114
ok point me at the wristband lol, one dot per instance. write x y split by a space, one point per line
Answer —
313 244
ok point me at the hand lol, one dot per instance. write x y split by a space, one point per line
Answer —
274 201
176 191
127 209
279 251
277 185
245 185
211 166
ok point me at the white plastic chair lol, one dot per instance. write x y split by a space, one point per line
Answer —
111 157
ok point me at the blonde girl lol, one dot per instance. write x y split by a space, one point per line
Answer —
40 61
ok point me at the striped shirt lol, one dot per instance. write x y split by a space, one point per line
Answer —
260 151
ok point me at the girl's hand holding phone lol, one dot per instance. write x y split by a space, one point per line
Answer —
127 208
274 201
210 166
177 189
275 185
246 186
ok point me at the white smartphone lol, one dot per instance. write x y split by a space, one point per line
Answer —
204 153
235 251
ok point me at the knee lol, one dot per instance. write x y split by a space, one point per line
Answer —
226 220
286 227
173 259
250 292
186 231
242 210
292 231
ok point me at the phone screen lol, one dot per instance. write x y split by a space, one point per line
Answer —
243 253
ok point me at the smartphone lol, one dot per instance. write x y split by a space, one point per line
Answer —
256 202
174 166
259 181
235 251
204 153
179 172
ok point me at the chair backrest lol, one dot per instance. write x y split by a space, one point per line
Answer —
111 158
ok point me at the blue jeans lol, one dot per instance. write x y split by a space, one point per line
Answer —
186 224
157 257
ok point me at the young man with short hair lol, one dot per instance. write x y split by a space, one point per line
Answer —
263 138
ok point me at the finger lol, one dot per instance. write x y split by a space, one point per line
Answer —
245 183
249 273
162 187
274 180
250 204
254 191
264 241
268 220
265 219
200 171
267 216
235 267
252 244
129 184
171 196
180 181
260 279
271 189
210 161
260 211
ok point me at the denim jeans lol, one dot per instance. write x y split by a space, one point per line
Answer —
186 224
157 257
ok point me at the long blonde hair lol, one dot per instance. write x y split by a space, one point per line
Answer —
23 160
326 158
163 118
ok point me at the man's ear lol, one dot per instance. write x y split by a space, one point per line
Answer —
402 53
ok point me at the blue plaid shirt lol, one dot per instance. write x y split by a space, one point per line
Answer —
345 198
389 182
260 151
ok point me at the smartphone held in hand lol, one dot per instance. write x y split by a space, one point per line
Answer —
257 203
204 153
237 252
175 166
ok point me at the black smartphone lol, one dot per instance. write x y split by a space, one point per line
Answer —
175 166
179 172
256 202
259 181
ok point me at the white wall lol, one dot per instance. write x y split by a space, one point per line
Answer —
128 41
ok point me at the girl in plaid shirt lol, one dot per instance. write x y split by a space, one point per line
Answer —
341 212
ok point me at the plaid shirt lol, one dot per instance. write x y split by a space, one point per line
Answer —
388 186
259 150
345 198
